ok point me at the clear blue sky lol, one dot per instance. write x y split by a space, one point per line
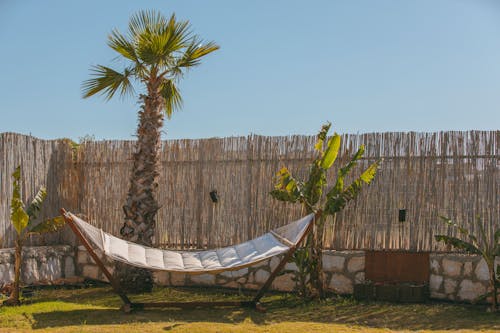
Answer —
284 67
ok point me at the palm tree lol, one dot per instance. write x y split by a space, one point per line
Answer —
157 52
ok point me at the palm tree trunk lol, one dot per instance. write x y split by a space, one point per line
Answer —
491 267
141 206
317 252
14 296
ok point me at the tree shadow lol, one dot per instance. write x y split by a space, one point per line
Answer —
281 309
172 315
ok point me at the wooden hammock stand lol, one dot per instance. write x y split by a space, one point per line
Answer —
128 305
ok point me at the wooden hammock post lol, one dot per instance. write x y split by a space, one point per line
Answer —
283 262
98 261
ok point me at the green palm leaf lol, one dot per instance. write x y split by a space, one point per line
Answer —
287 188
322 136
159 50
36 204
331 152
458 243
18 216
194 52
122 45
172 96
107 82
50 225
336 200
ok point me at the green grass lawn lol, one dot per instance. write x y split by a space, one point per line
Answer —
96 310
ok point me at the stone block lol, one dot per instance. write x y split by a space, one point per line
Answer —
239 273
467 269
177 279
6 256
261 276
6 273
359 277
262 264
90 271
50 270
332 263
30 273
274 263
226 274
482 273
356 264
69 267
251 286
435 282
291 266
161 278
469 291
284 282
203 279
435 266
451 268
82 258
232 285
450 286
341 284
438 295
220 280
34 252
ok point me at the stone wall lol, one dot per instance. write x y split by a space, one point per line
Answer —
41 264
458 277
342 269
455 277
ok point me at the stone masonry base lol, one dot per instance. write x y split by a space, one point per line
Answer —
455 277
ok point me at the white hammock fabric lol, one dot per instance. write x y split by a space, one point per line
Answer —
235 257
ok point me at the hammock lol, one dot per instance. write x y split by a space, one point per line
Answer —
283 240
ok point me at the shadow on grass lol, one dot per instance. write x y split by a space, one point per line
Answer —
281 309
116 317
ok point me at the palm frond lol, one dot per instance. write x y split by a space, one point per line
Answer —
107 82
50 225
146 21
36 204
336 200
460 229
331 152
18 216
158 40
322 136
287 188
172 96
458 243
194 52
122 45
179 34
344 171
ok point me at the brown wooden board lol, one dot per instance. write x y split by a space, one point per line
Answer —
397 266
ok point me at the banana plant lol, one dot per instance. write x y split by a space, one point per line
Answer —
488 248
24 222
314 196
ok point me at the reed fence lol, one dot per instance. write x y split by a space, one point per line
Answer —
456 174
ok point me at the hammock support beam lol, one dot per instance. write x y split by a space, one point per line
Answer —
128 305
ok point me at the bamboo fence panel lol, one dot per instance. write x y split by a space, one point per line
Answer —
43 162
429 174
